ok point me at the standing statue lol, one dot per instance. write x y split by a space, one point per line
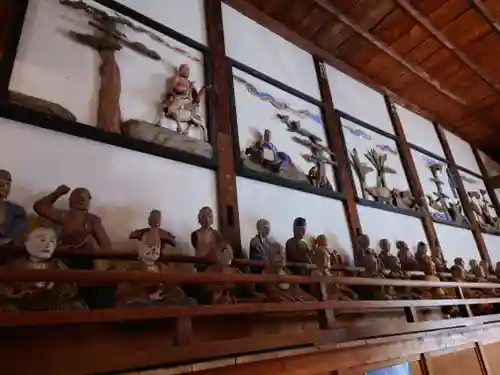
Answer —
182 102
154 222
205 240
297 250
405 256
13 218
42 295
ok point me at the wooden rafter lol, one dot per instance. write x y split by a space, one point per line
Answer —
491 81
325 4
486 13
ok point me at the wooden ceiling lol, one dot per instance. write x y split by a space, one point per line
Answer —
437 57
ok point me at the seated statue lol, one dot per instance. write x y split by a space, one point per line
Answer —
149 294
459 275
405 256
363 248
259 244
429 269
333 291
206 240
278 292
297 250
421 255
40 296
154 222
333 256
13 218
372 271
476 269
397 272
385 255
439 261
223 294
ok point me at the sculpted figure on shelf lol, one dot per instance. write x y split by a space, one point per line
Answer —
333 257
13 218
154 222
396 272
372 271
297 250
259 245
205 240
182 102
279 292
429 269
78 225
405 256
333 291
385 252
363 248
439 261
40 296
421 254
154 293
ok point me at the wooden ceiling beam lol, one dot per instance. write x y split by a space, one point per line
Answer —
487 14
491 81
325 4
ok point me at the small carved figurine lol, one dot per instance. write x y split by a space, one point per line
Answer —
333 256
405 256
371 270
205 240
333 291
78 226
150 294
363 248
421 254
385 252
429 269
278 292
259 245
397 272
297 250
439 261
154 222
13 218
40 296
182 102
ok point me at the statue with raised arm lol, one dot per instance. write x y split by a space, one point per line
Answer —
182 102
13 218
78 225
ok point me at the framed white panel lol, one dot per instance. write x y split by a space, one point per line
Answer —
364 140
255 115
492 243
74 81
462 152
186 17
125 185
419 131
254 45
258 200
358 100
422 163
492 167
456 242
378 224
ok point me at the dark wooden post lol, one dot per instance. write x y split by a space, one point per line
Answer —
476 230
487 181
415 184
333 129
221 118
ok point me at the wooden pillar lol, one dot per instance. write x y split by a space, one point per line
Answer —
415 184
333 129
487 182
221 119
476 230
11 23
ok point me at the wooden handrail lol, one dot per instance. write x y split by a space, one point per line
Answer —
147 313
112 277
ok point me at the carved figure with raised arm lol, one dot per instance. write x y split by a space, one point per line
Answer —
154 222
277 292
13 218
205 240
42 295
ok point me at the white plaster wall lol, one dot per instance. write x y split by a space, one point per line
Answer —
253 45
185 16
257 200
125 185
358 100
492 243
425 175
255 115
456 242
462 152
419 131
51 66
363 145
378 224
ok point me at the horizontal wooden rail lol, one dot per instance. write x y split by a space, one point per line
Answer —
127 314
112 277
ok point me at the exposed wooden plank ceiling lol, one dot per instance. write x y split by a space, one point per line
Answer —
437 57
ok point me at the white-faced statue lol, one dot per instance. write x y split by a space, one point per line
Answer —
41 244
225 254
148 250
